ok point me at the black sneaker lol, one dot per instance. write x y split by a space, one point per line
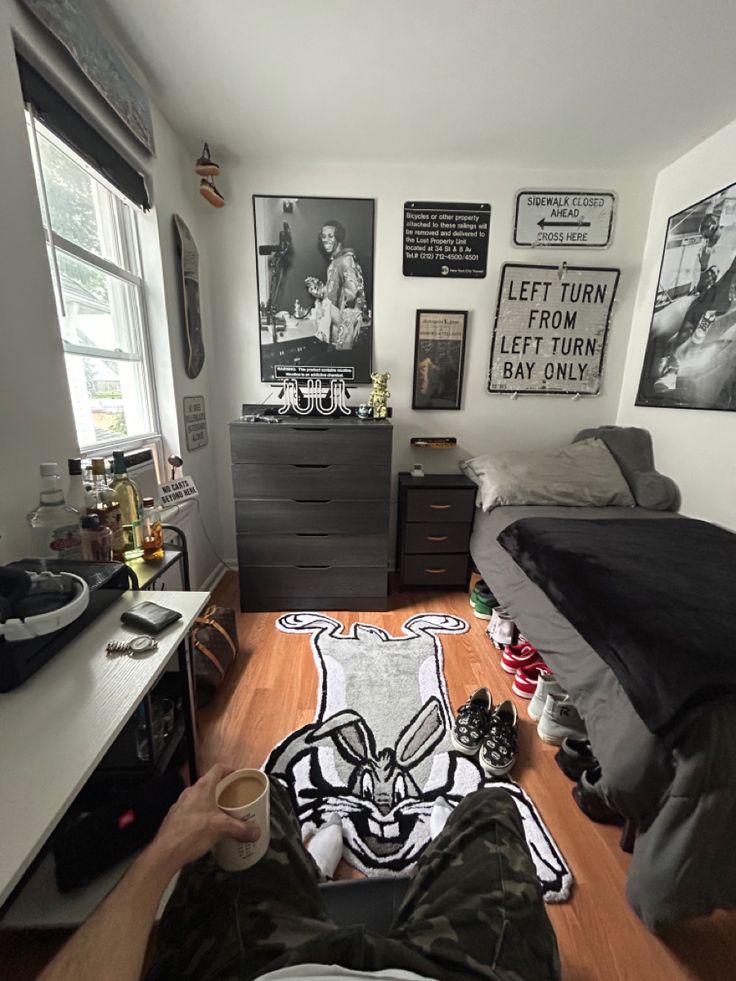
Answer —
471 723
574 757
498 751
588 795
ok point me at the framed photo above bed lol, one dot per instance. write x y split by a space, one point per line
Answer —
439 357
690 358
314 261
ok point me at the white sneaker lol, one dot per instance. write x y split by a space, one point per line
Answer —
560 719
502 628
546 685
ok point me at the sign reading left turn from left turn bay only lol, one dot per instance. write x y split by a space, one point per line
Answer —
564 219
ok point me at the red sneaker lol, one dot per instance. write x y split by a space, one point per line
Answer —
525 679
518 655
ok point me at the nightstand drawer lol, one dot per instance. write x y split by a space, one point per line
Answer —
435 570
440 504
436 537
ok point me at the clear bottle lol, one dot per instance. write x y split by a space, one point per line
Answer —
96 539
127 494
76 495
103 501
55 529
153 533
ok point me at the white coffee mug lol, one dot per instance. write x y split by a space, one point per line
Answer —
244 794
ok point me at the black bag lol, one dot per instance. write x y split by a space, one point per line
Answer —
215 642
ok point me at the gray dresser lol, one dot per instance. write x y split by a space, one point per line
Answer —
312 501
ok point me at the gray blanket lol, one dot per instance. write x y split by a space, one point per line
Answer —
679 792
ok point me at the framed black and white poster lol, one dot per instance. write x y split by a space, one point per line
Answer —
690 359
314 260
551 329
439 357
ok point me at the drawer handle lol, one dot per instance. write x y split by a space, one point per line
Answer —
440 507
310 429
311 500
313 567
435 572
312 534
437 538
310 466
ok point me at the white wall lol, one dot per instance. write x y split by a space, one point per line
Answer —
36 422
696 447
486 421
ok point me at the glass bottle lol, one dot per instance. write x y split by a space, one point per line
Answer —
153 534
54 524
126 492
76 494
96 539
103 502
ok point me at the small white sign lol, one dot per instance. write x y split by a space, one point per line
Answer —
195 421
564 219
177 491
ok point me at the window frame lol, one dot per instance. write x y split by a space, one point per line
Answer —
55 242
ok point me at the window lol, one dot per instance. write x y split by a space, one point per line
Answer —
92 240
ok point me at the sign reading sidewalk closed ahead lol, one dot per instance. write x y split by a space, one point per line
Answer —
448 240
564 219
550 331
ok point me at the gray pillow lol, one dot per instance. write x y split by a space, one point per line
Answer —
632 450
582 475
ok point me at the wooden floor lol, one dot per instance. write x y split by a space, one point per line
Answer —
272 690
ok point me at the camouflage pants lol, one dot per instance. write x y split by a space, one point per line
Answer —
473 909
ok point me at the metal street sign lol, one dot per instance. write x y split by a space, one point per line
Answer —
564 219
442 239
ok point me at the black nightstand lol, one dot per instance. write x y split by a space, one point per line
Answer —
435 517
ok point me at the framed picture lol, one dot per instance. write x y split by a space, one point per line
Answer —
314 259
439 357
690 359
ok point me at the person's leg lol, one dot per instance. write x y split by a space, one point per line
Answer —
236 924
474 907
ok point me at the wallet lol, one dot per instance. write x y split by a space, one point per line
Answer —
149 617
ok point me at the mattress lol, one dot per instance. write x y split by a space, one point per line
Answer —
678 791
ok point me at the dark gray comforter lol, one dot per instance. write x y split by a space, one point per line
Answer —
680 791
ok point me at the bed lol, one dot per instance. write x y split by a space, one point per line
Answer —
678 788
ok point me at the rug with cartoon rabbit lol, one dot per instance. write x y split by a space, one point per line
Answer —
378 752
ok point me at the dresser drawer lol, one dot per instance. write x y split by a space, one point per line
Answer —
302 549
440 504
328 517
432 537
318 443
310 482
288 582
434 570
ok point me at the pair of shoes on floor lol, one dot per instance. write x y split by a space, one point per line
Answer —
502 629
524 661
490 732
574 757
482 600
552 709
587 794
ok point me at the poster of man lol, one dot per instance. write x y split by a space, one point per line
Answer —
690 360
314 261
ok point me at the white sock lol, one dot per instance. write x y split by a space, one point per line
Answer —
325 846
438 818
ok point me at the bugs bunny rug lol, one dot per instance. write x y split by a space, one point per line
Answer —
378 752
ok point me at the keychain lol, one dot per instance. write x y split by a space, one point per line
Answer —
136 645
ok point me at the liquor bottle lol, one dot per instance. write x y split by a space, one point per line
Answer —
102 501
153 534
96 539
77 493
130 506
55 529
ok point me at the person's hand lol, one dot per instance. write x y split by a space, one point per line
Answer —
315 287
195 823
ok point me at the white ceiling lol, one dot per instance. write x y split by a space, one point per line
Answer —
551 83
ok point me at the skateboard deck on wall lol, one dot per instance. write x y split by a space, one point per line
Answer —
189 277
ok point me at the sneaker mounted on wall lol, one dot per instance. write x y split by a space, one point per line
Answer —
560 720
527 678
472 722
498 749
518 655
546 685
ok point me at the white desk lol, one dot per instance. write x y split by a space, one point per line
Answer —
57 726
